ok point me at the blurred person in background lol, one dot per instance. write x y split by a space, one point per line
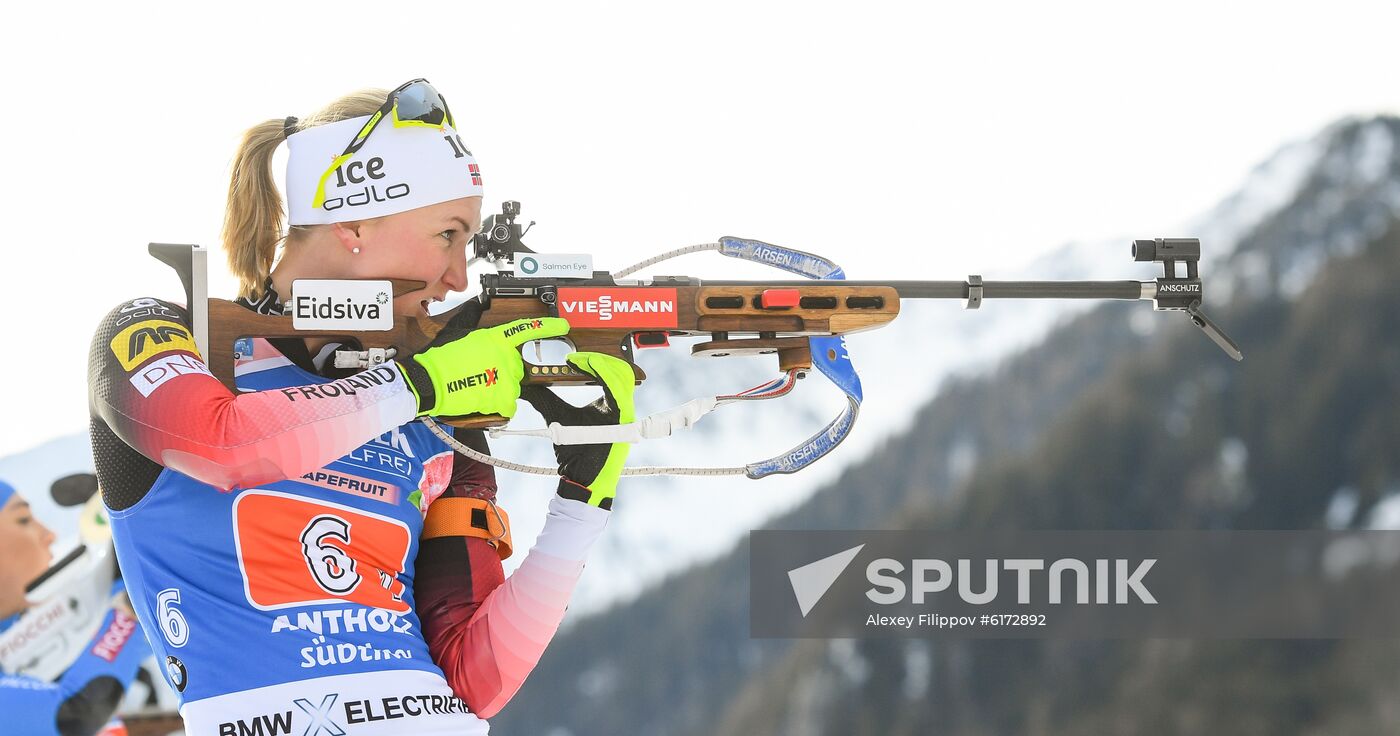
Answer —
83 700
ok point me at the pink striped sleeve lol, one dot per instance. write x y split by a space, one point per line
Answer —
150 386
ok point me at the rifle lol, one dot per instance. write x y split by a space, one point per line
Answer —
800 321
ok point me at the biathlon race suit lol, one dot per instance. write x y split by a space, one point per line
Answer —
279 561
84 698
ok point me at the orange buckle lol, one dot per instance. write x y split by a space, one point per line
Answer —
469 517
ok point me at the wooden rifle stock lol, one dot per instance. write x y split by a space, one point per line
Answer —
738 319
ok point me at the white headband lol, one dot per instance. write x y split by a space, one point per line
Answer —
397 169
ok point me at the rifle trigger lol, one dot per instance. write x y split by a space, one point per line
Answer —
643 340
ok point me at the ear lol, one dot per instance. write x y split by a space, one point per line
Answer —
348 234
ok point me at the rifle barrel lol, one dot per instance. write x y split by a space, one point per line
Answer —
990 289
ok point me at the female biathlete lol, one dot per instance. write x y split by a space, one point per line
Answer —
307 558
88 692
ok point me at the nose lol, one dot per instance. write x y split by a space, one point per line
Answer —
456 276
46 534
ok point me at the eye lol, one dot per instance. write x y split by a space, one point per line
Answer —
24 520
447 235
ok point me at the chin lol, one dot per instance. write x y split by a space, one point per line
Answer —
408 308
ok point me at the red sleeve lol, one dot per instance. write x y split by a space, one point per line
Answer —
454 576
485 631
149 386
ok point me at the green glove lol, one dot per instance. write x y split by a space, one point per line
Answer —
478 372
590 472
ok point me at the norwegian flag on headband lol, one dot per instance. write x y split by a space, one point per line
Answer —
476 174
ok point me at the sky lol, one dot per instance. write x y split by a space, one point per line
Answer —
903 140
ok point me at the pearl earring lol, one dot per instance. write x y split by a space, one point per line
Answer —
357 250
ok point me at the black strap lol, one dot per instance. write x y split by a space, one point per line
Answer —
268 303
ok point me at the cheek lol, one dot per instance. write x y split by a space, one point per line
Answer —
35 547
23 555
431 263
403 259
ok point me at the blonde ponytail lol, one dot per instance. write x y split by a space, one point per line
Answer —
254 219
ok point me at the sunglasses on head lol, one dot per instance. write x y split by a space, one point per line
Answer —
413 104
